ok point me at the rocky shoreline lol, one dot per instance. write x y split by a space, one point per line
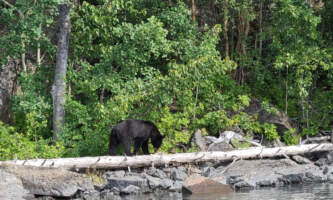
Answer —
175 182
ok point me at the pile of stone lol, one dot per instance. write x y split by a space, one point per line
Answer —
175 182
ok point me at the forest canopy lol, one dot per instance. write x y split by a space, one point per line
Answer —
184 65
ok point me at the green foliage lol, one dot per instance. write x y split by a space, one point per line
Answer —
146 59
289 139
17 145
25 22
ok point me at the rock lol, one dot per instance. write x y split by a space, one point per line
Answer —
329 157
51 181
11 187
209 171
156 173
153 182
176 186
122 183
222 143
90 195
177 174
109 195
279 119
222 146
167 183
292 179
229 136
199 140
200 184
131 189
301 159
118 174
260 173
193 170
321 162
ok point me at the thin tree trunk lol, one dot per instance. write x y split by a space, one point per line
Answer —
260 29
38 48
225 27
59 85
193 11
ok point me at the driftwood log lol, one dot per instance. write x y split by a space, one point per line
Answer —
116 162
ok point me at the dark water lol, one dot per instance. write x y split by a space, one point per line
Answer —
295 192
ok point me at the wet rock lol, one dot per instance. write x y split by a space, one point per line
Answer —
200 184
266 183
107 195
291 179
11 187
90 195
243 184
176 186
156 183
124 182
263 173
178 174
131 189
315 177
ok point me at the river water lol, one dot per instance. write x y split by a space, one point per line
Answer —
294 192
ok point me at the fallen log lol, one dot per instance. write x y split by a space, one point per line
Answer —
317 139
116 162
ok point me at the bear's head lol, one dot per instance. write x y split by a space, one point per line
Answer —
157 140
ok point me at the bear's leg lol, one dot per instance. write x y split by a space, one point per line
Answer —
113 143
137 145
127 145
145 147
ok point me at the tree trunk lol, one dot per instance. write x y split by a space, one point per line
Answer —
193 11
225 27
59 85
116 162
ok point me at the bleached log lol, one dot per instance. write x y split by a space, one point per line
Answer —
317 139
115 162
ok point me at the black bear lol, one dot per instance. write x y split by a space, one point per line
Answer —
135 130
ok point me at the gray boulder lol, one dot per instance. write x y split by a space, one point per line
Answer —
155 172
279 118
131 189
259 173
50 181
200 184
176 186
121 183
178 174
11 187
